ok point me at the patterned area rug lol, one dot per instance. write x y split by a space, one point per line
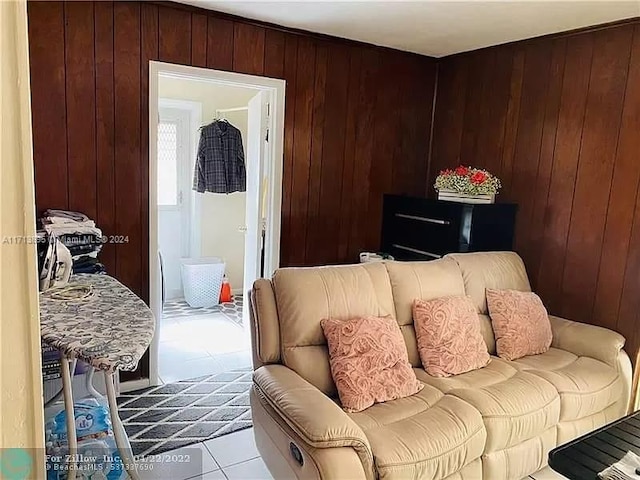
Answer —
180 308
173 415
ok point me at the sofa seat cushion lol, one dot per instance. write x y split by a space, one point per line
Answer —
428 435
515 405
586 386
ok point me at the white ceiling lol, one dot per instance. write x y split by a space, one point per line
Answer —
435 28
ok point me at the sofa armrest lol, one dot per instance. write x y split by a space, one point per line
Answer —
309 412
586 340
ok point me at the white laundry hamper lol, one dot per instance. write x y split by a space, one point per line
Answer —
202 280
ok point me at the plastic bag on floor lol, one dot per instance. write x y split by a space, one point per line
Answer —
98 457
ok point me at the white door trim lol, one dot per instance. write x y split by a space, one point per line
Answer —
195 202
276 90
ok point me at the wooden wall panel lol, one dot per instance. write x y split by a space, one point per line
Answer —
566 106
219 43
150 50
563 173
48 100
357 121
349 182
128 164
105 130
312 246
453 77
198 40
290 71
174 35
384 142
529 137
620 264
547 150
303 101
274 54
513 112
248 49
333 141
81 106
358 237
595 169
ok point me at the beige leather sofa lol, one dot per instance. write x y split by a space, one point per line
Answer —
498 422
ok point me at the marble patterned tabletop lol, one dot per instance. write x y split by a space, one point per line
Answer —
110 330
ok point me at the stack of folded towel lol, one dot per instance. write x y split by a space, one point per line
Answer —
79 234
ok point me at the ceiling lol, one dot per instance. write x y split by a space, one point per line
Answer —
435 28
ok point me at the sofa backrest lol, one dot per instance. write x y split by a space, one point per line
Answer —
424 280
482 270
304 296
288 310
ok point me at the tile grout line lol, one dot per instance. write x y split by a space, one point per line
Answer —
157 406
173 437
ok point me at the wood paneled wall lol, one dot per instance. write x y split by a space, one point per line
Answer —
357 121
558 120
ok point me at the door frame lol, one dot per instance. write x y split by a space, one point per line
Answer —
194 203
276 90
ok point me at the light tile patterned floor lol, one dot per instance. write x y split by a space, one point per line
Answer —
179 308
231 457
197 345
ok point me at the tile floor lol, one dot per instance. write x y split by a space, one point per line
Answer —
180 308
200 344
231 457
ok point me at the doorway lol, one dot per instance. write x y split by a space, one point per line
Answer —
195 238
178 232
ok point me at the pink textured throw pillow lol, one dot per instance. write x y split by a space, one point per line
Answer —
449 337
520 323
369 361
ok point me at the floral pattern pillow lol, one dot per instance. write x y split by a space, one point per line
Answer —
449 337
369 361
520 323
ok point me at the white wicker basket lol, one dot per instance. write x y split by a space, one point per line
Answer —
202 280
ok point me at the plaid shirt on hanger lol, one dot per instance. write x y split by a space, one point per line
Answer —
220 164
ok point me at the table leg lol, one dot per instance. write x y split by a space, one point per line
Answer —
122 441
72 439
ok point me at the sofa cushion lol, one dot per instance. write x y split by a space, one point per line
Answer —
497 270
307 295
449 339
586 386
520 323
427 280
368 361
515 405
428 435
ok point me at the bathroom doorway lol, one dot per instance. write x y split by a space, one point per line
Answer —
210 234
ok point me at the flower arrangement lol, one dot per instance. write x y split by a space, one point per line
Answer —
468 180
